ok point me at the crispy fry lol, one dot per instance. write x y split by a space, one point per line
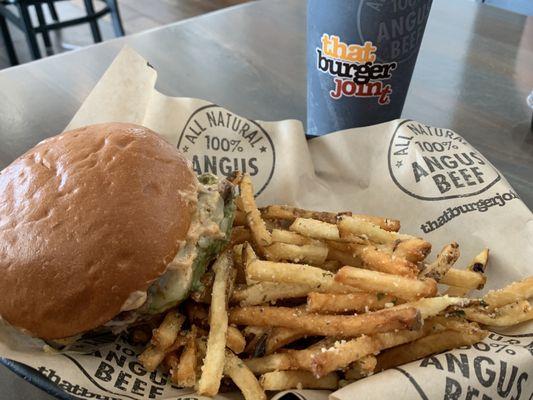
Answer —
316 278
508 315
413 250
291 213
240 234
166 334
284 380
516 291
353 228
478 265
140 336
284 236
445 260
253 217
235 340
432 344
343 257
151 357
327 325
280 337
185 373
331 265
240 218
343 353
431 306
264 292
361 368
218 321
171 361
351 302
315 229
243 378
307 253
377 260
399 286
463 278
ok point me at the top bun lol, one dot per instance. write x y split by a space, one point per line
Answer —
87 218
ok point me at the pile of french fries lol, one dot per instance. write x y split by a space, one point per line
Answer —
316 300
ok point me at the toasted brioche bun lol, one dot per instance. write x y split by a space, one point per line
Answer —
87 218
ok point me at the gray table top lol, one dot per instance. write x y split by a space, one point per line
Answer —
473 75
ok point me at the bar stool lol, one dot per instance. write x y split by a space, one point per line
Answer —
24 23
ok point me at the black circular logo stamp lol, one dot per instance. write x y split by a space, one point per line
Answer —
219 142
436 164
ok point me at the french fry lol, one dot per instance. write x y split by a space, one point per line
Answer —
315 229
213 365
284 236
185 373
170 362
316 278
343 257
361 368
166 334
344 352
431 306
374 259
516 291
307 253
463 278
235 340
264 292
291 213
240 218
253 217
508 315
431 344
243 378
151 357
326 325
478 265
445 260
413 250
351 302
399 286
140 336
240 234
280 337
284 380
353 228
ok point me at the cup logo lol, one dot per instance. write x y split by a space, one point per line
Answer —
219 142
396 26
436 164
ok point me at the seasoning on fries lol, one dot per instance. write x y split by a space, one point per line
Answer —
322 299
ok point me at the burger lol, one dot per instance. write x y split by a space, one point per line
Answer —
102 227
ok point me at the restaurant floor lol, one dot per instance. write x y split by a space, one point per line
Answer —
137 16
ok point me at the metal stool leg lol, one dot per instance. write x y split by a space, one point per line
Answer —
28 31
115 17
8 41
42 24
89 8
52 9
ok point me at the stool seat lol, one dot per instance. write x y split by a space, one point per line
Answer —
24 23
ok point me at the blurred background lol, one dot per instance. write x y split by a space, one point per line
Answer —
31 29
